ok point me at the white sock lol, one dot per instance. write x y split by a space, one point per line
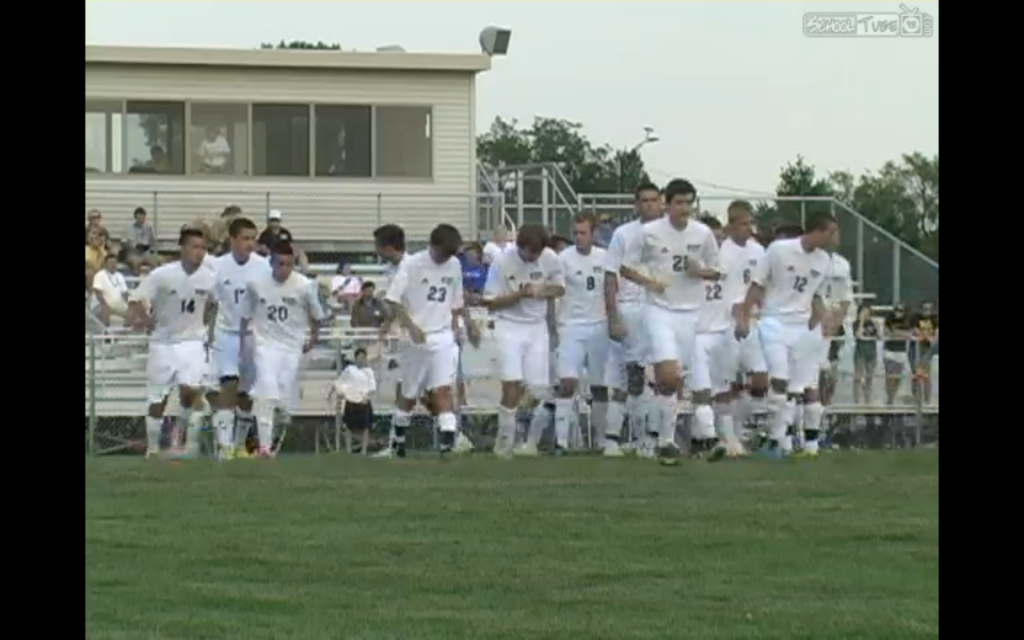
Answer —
613 419
724 422
599 421
506 431
704 422
181 423
242 422
779 418
264 424
813 414
400 422
196 420
667 432
798 415
742 408
223 424
153 428
563 417
539 420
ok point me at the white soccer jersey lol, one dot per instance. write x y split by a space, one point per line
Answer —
509 273
839 282
428 291
279 313
233 278
583 302
177 301
791 278
664 253
744 257
624 249
721 296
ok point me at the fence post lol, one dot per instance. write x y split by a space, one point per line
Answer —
92 395
860 253
155 208
267 201
803 213
896 293
380 205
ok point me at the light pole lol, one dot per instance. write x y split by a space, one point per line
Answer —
649 138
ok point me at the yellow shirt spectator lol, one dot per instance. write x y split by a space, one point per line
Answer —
94 257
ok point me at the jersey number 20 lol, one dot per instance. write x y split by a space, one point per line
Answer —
277 313
437 294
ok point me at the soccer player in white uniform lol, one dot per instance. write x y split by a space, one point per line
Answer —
389 240
838 298
788 285
426 297
177 295
624 303
740 248
279 308
519 286
679 254
234 370
582 335
716 356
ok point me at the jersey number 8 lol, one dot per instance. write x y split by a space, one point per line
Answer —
591 283
437 294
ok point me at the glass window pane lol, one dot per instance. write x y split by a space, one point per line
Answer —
342 140
102 137
280 140
404 148
219 139
156 137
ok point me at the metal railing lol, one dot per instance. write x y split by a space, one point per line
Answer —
312 215
115 393
881 263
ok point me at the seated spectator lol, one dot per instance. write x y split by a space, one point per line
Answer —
109 292
367 310
139 244
215 151
356 386
95 250
865 355
94 220
345 287
474 273
274 232
219 229
894 350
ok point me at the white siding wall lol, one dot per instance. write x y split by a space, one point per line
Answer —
315 209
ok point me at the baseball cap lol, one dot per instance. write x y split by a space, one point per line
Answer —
274 215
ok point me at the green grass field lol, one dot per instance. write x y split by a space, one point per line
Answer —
344 548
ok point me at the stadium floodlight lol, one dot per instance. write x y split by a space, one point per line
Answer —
494 41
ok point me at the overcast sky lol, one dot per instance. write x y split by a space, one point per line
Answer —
734 90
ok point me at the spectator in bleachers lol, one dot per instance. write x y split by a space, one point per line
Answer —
214 151
367 310
474 273
894 350
139 243
109 292
345 286
94 221
274 232
924 327
497 245
865 355
95 251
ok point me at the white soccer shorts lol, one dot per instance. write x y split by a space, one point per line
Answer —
173 364
631 349
671 335
583 352
277 375
428 366
229 360
715 360
751 358
792 352
523 352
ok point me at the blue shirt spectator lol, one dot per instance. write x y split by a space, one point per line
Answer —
474 271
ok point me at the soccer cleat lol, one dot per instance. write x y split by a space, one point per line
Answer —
446 442
152 454
225 453
560 451
264 452
388 452
613 450
462 443
668 455
805 453
526 450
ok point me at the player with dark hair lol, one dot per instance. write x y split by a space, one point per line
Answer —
172 301
389 240
233 369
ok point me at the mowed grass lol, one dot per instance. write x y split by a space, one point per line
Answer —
843 547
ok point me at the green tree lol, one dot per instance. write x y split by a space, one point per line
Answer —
589 168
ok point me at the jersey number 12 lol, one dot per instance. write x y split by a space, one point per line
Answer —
799 284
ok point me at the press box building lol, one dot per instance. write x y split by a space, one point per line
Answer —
339 141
